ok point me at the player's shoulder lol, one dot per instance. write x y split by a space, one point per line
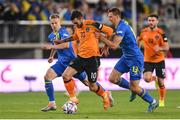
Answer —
160 30
88 22
51 35
146 29
122 25
63 31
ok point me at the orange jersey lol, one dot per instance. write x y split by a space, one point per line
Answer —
88 43
151 39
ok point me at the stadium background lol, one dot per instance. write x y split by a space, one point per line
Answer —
24 28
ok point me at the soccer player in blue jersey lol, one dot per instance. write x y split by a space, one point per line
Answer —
65 56
131 60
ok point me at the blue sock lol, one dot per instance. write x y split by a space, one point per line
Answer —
145 96
49 90
123 83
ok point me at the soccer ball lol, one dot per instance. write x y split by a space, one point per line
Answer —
69 107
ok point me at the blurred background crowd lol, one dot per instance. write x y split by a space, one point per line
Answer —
13 12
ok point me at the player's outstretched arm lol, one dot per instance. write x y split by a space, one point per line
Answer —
114 44
51 56
64 40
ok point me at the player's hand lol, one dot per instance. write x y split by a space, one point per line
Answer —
105 51
47 46
56 42
157 48
50 59
97 35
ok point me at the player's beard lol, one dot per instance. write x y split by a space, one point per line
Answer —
79 25
152 26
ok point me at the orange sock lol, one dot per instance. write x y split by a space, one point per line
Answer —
162 92
70 87
100 91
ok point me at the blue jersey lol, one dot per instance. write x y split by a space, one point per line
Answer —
128 44
62 53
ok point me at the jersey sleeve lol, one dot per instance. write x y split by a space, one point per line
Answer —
164 39
121 31
74 36
107 30
51 38
101 27
64 34
139 38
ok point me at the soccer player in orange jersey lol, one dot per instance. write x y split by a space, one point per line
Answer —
155 44
88 59
65 55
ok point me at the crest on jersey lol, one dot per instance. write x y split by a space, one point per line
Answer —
87 29
157 37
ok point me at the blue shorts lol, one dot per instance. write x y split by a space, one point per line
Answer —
132 65
59 67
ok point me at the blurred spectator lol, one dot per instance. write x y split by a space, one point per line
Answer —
102 5
34 12
1 11
12 13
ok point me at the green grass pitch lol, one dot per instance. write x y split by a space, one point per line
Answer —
28 105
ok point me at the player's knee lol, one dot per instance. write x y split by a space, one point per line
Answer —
85 82
147 78
134 88
47 77
92 87
65 77
113 80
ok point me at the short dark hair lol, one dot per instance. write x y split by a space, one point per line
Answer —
115 11
76 14
54 16
154 15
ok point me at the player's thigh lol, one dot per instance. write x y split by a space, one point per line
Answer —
80 76
160 70
121 66
148 71
77 64
69 73
147 76
136 69
59 68
50 74
91 68
114 76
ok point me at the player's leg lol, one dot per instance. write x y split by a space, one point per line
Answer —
135 76
115 76
69 83
49 76
82 78
160 72
91 68
148 70
153 103
74 67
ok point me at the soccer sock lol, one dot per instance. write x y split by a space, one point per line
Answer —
100 91
70 87
162 92
123 83
49 90
145 96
